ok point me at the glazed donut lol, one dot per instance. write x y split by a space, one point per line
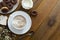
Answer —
6 1
13 1
4 9
10 5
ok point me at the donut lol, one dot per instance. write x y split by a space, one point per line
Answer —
4 9
13 1
6 1
10 5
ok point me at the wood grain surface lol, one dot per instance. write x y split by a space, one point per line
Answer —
46 25
45 31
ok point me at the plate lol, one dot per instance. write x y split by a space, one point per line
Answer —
27 26
15 6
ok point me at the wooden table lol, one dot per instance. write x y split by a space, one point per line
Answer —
46 25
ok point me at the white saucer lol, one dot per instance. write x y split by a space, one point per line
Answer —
15 6
27 26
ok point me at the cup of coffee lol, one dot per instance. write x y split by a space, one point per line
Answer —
19 22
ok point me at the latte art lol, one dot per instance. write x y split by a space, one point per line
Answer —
19 22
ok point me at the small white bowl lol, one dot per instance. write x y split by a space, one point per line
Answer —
23 29
27 4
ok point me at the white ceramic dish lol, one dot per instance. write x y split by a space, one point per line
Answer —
26 27
15 6
27 4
